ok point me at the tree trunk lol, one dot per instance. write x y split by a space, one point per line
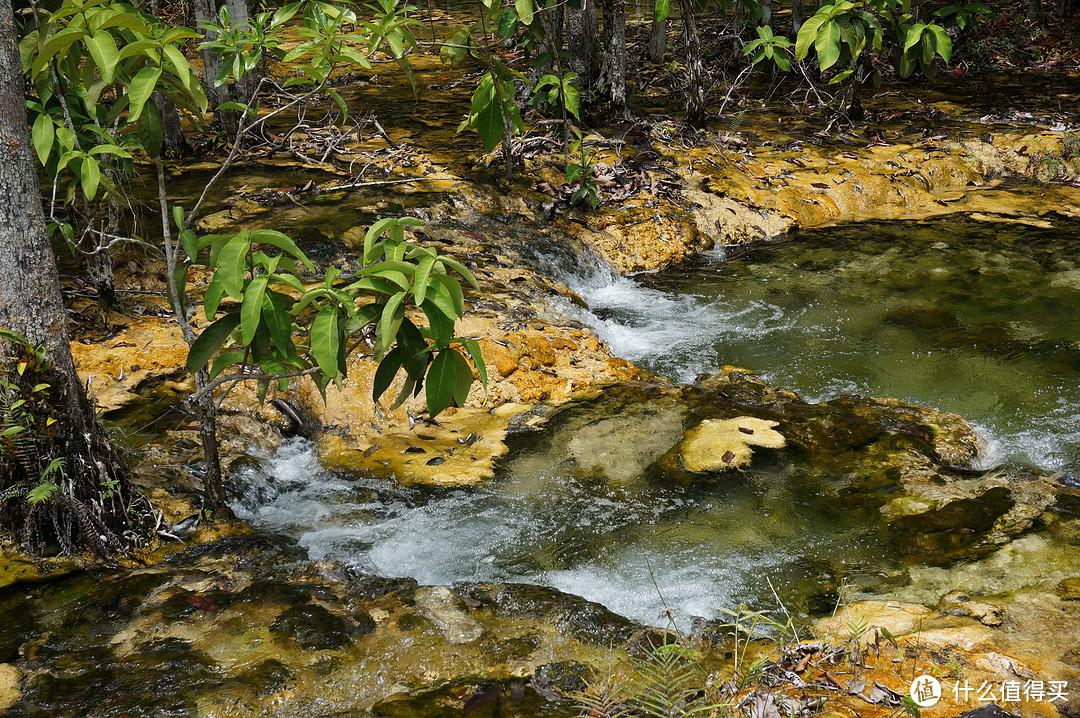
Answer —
550 14
206 11
766 12
581 34
613 69
175 143
695 68
657 39
238 15
90 507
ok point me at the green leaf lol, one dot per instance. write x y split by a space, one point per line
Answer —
90 176
102 49
151 130
282 242
389 322
179 287
460 269
827 45
473 347
441 382
453 288
324 340
41 493
226 359
420 281
808 33
914 34
232 262
944 42
524 10
385 373
141 88
211 339
212 296
43 135
414 350
441 327
464 378
251 309
662 10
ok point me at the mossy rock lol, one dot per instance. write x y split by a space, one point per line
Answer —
310 627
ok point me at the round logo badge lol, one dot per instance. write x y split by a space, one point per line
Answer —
925 691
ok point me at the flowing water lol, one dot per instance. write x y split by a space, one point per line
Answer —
967 316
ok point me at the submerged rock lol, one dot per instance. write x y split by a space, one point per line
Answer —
720 444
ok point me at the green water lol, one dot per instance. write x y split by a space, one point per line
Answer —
974 317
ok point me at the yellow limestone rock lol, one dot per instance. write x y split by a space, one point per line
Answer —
717 444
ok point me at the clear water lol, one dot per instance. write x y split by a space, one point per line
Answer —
977 318
965 316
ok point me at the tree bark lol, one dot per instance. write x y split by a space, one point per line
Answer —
175 143
93 496
695 68
613 68
581 33
206 11
657 39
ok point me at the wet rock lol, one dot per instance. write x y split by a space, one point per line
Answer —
855 620
449 613
945 514
9 685
310 627
1069 589
958 603
991 710
584 620
720 444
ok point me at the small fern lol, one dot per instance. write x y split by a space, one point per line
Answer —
670 682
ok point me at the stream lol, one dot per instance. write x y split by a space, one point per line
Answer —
960 314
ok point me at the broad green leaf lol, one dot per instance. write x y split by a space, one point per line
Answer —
324 340
662 10
179 282
414 350
827 45
226 359
453 288
251 309
141 88
232 262
439 296
56 44
460 269
389 322
441 382
411 387
282 242
181 66
211 339
473 347
374 284
420 281
385 373
524 10
464 378
808 34
43 134
102 49
944 42
914 34
90 176
441 327
212 296
278 320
